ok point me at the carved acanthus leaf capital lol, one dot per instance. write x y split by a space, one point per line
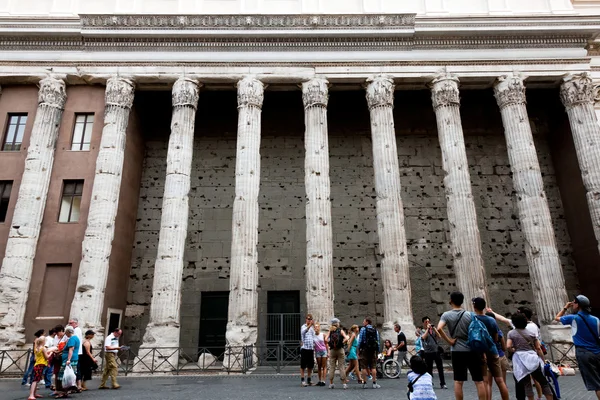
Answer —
444 91
250 92
510 89
185 93
315 92
576 90
52 93
119 92
380 91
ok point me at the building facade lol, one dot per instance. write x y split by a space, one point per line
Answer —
202 172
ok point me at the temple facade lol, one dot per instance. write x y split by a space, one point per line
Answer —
204 172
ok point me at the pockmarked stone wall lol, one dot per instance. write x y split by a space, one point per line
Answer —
356 261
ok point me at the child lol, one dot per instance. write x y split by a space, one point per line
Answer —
422 382
41 362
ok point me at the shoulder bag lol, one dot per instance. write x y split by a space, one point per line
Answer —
590 329
456 326
411 386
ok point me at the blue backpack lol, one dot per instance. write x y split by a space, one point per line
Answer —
480 339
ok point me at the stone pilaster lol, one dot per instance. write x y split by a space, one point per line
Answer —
545 270
577 95
395 279
242 324
88 302
17 266
465 243
163 329
319 242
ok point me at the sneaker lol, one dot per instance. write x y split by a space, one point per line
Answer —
352 376
370 377
376 385
42 382
304 384
28 384
332 386
364 385
444 387
345 386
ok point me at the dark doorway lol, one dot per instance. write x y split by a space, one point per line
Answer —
213 322
283 316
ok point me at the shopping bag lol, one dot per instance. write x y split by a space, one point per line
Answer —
69 379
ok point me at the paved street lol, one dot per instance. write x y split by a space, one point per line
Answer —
263 387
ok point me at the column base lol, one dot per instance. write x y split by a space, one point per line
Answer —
12 338
241 351
160 350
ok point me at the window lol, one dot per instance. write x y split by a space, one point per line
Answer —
13 137
82 133
71 201
5 188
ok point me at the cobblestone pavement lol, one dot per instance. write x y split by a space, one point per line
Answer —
263 387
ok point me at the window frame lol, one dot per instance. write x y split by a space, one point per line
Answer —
9 116
3 185
72 196
82 143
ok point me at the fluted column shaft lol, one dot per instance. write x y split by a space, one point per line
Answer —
577 96
88 302
465 242
395 279
17 266
163 329
545 268
242 321
319 242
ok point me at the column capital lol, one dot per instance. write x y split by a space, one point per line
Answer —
577 89
444 90
52 92
250 92
119 92
186 92
509 90
380 91
315 92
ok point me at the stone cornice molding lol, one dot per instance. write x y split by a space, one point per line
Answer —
119 92
509 90
576 90
380 91
52 93
185 93
250 92
249 21
444 91
315 92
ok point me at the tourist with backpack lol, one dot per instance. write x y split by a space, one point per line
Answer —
336 339
487 345
464 359
586 337
368 347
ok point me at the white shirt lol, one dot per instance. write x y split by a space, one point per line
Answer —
80 336
58 340
49 342
111 341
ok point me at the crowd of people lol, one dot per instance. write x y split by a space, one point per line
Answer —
67 351
478 347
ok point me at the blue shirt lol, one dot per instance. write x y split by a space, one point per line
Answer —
72 342
582 336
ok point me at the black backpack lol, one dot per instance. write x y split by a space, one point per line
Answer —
336 339
369 339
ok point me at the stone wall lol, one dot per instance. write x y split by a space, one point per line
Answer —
356 261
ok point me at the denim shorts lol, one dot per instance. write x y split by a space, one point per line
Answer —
320 354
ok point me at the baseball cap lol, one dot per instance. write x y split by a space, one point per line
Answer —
583 302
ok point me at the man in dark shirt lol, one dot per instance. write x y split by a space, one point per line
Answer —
429 341
492 359
401 346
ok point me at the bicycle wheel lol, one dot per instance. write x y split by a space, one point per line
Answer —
391 369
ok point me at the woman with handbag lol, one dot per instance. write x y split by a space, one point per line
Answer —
87 363
527 358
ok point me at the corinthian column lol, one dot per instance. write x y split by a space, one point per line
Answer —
395 277
163 329
464 234
242 324
15 274
577 95
545 269
319 247
88 302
